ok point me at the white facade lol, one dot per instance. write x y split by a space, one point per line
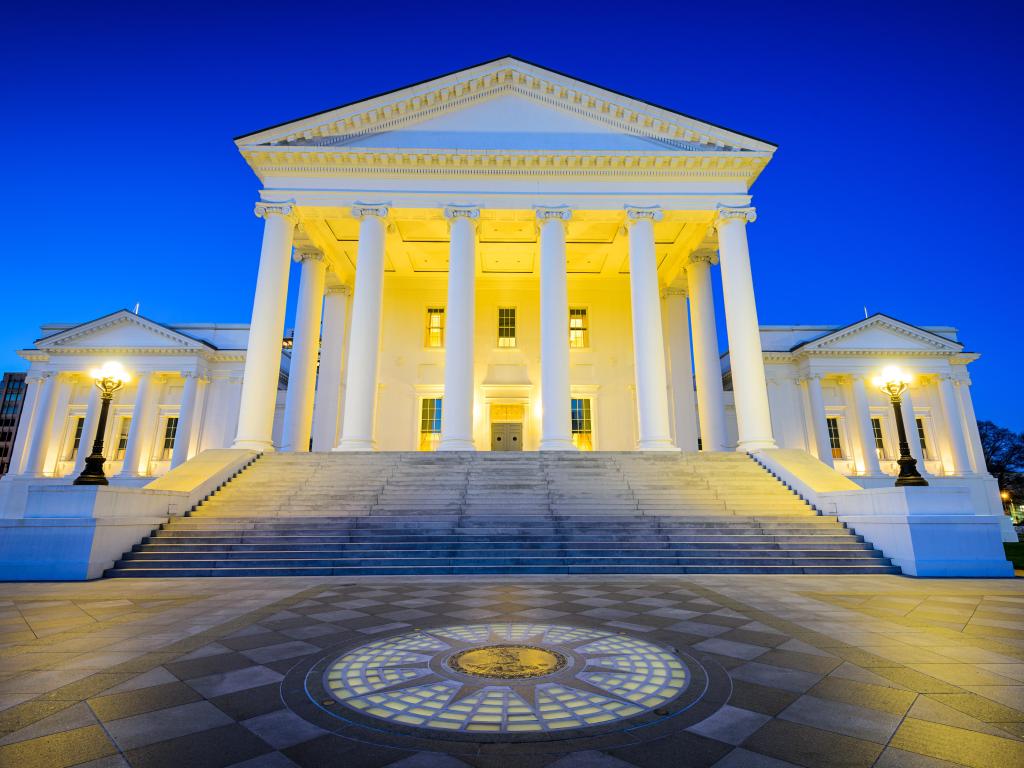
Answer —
531 256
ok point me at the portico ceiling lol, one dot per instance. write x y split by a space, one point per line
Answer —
508 241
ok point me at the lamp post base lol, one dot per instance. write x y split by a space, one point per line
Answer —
93 472
908 472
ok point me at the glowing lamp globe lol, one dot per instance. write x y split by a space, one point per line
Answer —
893 381
111 377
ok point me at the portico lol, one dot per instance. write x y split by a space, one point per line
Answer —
505 227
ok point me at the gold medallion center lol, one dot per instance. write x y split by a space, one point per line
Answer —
507 662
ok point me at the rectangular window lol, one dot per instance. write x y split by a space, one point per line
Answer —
582 426
170 431
924 440
430 423
122 438
876 430
579 333
435 327
833 437
76 440
506 326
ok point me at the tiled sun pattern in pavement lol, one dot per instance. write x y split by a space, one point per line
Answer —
826 671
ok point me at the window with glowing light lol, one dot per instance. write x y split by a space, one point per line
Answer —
122 438
924 439
435 327
76 438
834 440
579 331
876 430
430 423
506 327
170 433
582 425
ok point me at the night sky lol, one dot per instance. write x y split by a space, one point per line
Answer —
896 185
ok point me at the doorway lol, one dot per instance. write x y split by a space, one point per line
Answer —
506 427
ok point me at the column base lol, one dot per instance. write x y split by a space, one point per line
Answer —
557 444
757 445
354 444
262 446
455 444
657 445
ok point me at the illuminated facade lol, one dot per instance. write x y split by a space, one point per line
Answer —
503 258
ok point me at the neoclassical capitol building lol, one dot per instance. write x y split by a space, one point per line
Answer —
503 259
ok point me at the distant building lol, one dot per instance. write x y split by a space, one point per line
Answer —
12 398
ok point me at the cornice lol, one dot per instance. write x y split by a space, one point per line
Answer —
57 341
278 161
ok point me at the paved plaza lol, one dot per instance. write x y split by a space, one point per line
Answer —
774 671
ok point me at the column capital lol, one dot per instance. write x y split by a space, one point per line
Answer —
471 212
377 210
553 213
307 254
339 288
710 255
38 376
265 210
725 214
651 213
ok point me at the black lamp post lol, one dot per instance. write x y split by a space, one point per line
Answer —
109 379
894 383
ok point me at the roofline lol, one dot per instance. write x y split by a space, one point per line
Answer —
492 61
871 317
129 312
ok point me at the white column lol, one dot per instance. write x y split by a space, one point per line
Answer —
706 365
821 441
364 339
33 382
92 412
41 424
951 414
186 418
681 367
298 404
555 394
327 404
263 353
137 430
862 412
970 425
648 341
750 389
913 437
457 407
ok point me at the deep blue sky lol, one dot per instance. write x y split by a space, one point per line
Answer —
896 185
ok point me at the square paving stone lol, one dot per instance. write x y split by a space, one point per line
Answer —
698 751
250 702
957 745
235 680
214 748
730 724
58 750
847 719
288 650
120 705
282 728
163 724
812 747
723 647
794 680
760 698
878 697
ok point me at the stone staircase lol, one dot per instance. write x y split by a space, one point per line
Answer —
501 513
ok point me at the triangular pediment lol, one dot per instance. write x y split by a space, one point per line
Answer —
880 333
120 330
506 104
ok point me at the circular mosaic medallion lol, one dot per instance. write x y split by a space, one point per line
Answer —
506 678
507 662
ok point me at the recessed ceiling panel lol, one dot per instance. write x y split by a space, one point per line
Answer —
591 231
585 258
435 230
428 257
507 257
667 231
344 229
349 251
508 231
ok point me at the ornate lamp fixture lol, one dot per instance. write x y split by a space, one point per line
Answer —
110 378
894 382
